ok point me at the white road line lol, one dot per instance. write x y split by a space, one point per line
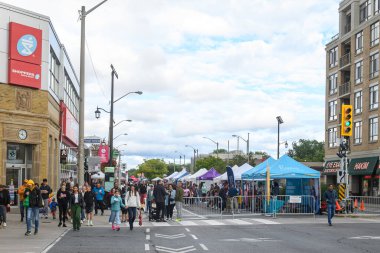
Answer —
240 222
188 223
148 230
146 247
194 237
203 246
161 224
200 216
188 230
55 242
264 221
213 222
147 237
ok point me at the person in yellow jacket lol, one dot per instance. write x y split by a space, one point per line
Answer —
20 192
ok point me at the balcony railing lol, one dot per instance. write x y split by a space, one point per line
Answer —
345 89
345 60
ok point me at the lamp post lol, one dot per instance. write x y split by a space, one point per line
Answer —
127 120
195 151
247 141
279 122
119 136
217 145
82 15
121 145
180 156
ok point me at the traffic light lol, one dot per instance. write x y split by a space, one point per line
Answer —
346 121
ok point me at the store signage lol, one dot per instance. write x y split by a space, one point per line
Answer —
70 125
12 154
103 153
331 167
25 51
361 166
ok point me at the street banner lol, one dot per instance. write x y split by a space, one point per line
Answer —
268 184
230 177
103 153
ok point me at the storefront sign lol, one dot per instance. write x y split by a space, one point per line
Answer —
92 140
25 50
362 166
331 167
70 125
103 153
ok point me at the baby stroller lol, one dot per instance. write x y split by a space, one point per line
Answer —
153 211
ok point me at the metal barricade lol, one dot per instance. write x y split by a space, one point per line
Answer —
294 205
361 205
250 205
202 207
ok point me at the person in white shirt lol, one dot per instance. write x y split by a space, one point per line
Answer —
132 202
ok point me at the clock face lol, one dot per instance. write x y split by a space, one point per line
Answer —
22 134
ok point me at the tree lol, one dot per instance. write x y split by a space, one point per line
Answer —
171 168
239 160
153 168
211 162
307 151
220 151
132 172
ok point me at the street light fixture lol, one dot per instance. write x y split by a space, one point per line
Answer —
121 145
217 145
195 151
246 141
127 120
120 135
180 157
279 122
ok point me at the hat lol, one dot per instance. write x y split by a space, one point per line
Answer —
30 182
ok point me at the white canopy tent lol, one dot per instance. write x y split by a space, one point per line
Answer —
193 177
98 175
244 168
180 174
171 175
223 177
156 179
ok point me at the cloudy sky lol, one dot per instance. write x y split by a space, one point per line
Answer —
209 68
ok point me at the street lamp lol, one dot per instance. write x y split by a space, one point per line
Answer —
120 135
121 145
195 151
279 122
82 15
127 120
180 156
247 141
217 145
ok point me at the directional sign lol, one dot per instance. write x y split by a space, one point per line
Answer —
173 250
340 176
170 236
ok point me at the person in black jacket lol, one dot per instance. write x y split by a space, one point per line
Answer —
4 204
76 204
159 196
45 192
33 195
63 197
89 200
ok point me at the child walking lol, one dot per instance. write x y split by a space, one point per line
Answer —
116 205
53 207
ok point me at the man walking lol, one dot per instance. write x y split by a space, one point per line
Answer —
20 192
179 201
45 192
99 196
159 195
33 197
330 196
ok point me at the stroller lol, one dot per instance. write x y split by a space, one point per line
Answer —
153 211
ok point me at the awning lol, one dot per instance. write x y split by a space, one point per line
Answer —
362 166
331 167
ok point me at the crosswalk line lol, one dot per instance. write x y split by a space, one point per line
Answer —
239 222
213 222
264 221
188 223
161 224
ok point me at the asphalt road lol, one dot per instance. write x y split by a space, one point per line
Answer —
262 238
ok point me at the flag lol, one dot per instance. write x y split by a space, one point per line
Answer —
268 183
230 177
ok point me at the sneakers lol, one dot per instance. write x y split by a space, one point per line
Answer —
59 224
28 233
113 227
81 222
35 232
88 223
91 224
178 220
117 228
64 225
4 224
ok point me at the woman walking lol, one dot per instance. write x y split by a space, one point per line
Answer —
76 203
132 200
171 203
63 198
89 201
116 205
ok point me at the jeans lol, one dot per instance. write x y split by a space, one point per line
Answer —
169 212
148 206
178 205
46 208
62 213
131 215
33 213
22 209
330 212
4 212
99 204
115 217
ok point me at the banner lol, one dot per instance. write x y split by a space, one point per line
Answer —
230 177
103 153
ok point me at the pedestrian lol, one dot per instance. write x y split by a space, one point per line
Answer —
223 195
142 192
82 213
4 203
76 204
20 193
330 196
53 208
71 182
116 205
171 202
45 192
149 198
89 201
179 201
63 197
159 196
99 195
132 202
33 198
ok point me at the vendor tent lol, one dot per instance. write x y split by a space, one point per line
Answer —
171 175
98 175
223 177
248 175
209 175
180 174
245 167
156 179
196 174
287 168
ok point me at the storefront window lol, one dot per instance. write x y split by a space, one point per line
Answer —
15 153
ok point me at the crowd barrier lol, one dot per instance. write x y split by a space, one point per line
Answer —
359 205
202 207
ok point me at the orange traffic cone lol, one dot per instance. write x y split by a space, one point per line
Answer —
362 208
338 208
356 204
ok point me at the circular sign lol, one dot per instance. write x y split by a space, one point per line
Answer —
27 45
103 150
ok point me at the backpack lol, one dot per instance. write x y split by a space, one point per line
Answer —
26 201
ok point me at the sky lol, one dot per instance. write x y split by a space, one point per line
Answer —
207 68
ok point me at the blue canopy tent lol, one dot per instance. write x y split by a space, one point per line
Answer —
248 175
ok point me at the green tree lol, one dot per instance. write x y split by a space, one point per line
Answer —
132 172
220 151
211 162
153 168
307 151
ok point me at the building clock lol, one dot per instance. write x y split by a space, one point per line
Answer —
22 134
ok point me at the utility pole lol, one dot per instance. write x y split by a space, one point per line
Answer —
113 74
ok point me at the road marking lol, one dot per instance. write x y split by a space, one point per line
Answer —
249 240
173 250
148 237
146 247
366 237
148 230
170 236
161 224
188 230
264 221
55 242
213 222
203 246
240 222
188 223
194 237
200 216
